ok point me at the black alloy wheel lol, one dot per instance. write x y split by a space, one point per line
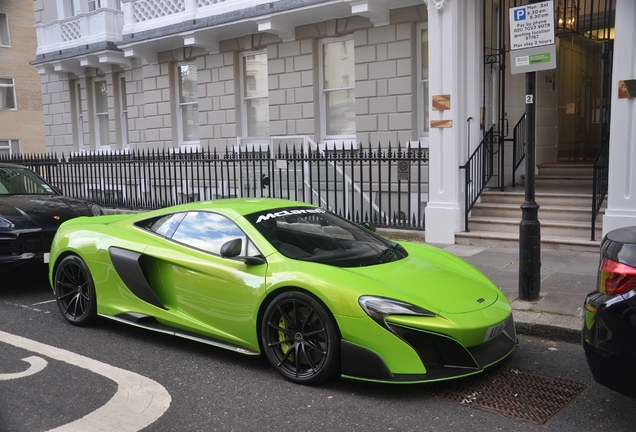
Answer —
75 291
300 338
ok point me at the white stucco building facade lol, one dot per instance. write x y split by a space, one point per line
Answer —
621 203
182 74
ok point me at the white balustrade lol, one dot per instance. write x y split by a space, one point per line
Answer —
102 25
146 10
108 24
144 15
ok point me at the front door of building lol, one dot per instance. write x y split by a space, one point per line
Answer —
579 106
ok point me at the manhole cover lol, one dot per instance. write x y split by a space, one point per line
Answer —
514 393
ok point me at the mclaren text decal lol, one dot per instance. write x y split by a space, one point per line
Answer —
284 213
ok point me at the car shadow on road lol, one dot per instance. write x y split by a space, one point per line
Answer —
23 280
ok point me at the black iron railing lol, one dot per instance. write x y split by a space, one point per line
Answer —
479 169
518 146
601 164
386 186
600 179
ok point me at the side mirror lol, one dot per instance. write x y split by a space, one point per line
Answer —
232 249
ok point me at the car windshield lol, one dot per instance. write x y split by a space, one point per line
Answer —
316 235
22 181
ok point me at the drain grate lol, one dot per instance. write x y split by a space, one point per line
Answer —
514 393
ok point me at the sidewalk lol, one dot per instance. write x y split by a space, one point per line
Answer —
566 278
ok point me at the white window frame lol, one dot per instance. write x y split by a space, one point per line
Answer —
123 112
349 141
76 99
10 87
6 21
68 8
12 145
182 143
94 5
258 142
423 102
99 145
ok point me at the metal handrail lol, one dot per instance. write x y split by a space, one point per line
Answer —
601 164
479 170
600 185
518 146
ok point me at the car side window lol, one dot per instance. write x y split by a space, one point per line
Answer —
209 232
21 181
164 226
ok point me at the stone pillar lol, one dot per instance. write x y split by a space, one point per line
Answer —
455 70
621 200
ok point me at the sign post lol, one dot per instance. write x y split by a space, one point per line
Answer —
532 49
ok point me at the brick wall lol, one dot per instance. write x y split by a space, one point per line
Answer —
26 123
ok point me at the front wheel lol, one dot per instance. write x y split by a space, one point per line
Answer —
300 338
75 291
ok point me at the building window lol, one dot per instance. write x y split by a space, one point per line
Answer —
98 4
78 123
188 104
5 40
338 110
9 147
255 94
7 94
67 8
123 109
422 80
102 128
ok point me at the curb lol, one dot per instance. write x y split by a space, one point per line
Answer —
561 328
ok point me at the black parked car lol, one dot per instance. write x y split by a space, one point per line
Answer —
609 330
31 210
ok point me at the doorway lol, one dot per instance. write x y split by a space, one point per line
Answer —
579 68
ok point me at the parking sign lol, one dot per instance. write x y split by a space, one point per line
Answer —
532 25
532 37
520 14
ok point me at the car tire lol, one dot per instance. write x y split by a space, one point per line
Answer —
75 291
300 338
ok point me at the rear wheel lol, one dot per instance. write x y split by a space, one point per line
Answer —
300 338
75 291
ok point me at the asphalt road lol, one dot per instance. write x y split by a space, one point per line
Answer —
109 370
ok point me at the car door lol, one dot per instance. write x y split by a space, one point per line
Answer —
213 295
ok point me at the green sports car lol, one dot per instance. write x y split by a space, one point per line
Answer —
317 294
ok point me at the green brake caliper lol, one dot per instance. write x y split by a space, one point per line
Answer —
285 346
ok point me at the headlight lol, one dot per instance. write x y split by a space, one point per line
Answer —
379 307
4 223
95 210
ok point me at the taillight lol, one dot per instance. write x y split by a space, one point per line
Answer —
616 278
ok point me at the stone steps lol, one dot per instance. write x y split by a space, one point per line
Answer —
558 213
564 195
575 197
555 175
548 227
511 240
